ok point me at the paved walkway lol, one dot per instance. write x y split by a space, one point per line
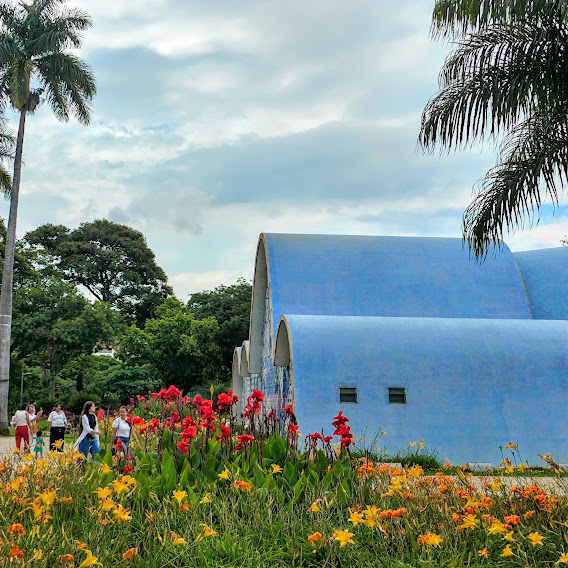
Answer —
8 443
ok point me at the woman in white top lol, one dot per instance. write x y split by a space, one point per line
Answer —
88 441
57 422
121 430
21 421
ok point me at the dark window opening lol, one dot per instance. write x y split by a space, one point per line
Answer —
397 395
347 394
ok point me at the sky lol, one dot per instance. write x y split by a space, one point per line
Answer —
216 121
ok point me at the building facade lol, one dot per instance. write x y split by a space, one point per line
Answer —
412 336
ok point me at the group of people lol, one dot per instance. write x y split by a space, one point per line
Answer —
25 423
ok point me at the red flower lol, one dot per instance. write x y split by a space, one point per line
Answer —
245 439
226 400
127 469
225 432
288 410
197 400
183 446
189 433
293 430
327 439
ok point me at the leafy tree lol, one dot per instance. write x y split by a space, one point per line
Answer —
505 76
54 324
230 306
175 346
111 261
34 50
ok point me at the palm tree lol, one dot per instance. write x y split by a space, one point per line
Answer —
506 79
35 61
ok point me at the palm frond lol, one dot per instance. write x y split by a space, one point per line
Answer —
492 79
70 85
12 18
20 73
9 49
455 18
534 161
59 31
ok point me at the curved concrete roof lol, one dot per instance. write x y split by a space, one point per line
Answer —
545 275
471 384
379 276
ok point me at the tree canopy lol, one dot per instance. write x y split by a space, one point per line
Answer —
230 306
506 77
112 262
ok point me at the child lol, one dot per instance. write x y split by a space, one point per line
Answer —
38 449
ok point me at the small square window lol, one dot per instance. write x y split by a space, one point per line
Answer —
397 395
348 394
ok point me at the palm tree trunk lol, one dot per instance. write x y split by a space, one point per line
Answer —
8 279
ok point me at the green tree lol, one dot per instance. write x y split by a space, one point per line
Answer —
54 324
176 347
112 262
505 77
230 306
34 50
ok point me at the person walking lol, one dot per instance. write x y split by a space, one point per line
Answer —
57 421
121 431
21 422
88 441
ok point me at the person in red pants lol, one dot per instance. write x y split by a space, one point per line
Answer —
21 421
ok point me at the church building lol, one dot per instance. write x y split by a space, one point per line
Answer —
415 337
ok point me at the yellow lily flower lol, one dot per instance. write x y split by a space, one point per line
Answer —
207 532
205 500
47 498
276 468
121 514
103 493
107 504
90 560
343 537
355 517
179 496
178 540
509 537
497 527
105 468
119 486
225 474
469 522
507 551
314 508
535 538
563 559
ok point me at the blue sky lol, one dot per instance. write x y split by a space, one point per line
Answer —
216 121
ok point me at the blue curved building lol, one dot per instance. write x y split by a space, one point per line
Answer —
412 336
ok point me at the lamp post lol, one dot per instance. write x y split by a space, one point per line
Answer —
22 387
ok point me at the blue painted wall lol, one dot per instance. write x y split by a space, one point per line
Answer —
545 275
471 384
